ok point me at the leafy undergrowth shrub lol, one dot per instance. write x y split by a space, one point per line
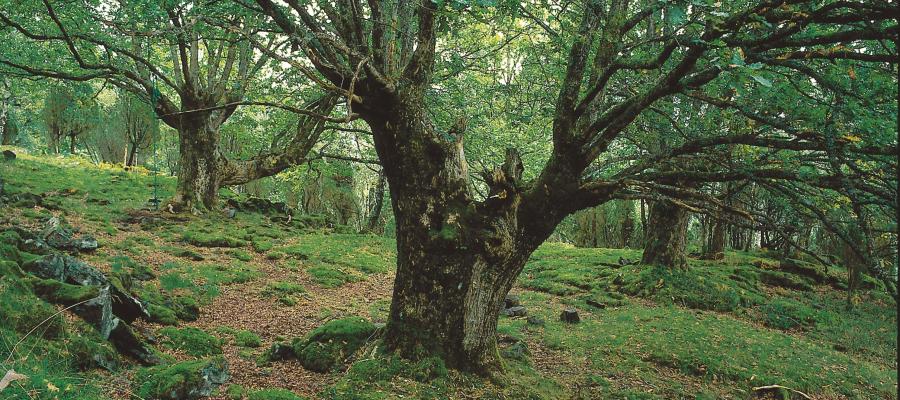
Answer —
285 292
181 381
329 345
192 341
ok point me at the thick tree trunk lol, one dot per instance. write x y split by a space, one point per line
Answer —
199 181
666 232
456 258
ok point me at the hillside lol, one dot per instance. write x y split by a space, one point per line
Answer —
220 288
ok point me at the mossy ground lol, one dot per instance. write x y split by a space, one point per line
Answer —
715 330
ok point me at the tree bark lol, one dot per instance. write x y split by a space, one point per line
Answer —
666 231
377 204
716 246
456 258
198 183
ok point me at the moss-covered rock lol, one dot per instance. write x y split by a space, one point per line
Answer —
88 351
246 338
186 308
21 310
330 344
162 315
192 341
62 293
186 380
273 394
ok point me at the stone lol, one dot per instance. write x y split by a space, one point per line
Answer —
570 315
26 200
186 380
624 261
517 351
510 301
230 212
9 155
72 270
517 311
596 304
281 351
86 243
537 321
59 237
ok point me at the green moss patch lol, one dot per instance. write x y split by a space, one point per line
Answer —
192 341
329 345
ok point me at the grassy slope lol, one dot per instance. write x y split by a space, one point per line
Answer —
713 332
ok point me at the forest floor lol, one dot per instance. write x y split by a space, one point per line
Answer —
715 331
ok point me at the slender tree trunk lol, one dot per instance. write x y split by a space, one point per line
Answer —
131 153
716 246
10 131
378 203
666 235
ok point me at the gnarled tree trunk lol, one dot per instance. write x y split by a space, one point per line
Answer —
201 163
456 258
666 230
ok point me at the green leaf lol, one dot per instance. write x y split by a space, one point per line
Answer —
762 81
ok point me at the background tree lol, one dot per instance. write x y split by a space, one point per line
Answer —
69 113
193 61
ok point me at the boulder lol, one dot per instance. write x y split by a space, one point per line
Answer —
624 261
517 351
280 351
186 380
59 237
517 311
26 200
510 301
536 321
8 155
230 212
570 315
72 270
596 304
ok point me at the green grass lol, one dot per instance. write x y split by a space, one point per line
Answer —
340 258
